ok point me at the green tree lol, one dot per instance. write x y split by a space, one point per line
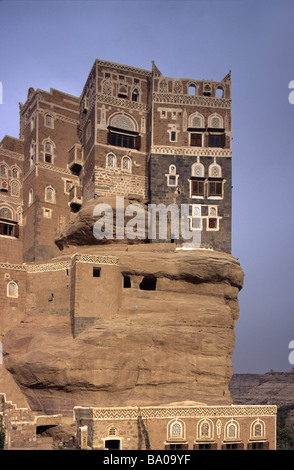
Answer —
2 433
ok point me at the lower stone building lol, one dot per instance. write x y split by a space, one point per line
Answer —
178 426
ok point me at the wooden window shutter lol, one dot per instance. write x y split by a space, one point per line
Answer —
138 142
16 230
223 140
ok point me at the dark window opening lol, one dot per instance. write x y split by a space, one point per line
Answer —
176 447
215 188
216 140
124 140
11 230
127 282
173 136
148 283
212 223
172 180
196 140
48 158
112 444
96 272
198 188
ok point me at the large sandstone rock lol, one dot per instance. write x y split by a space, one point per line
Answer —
172 344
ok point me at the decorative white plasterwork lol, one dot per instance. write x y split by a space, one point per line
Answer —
195 151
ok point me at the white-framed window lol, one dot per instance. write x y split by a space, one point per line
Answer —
215 121
196 120
50 194
111 160
232 430
49 121
12 289
15 172
215 171
176 430
197 170
257 429
196 218
48 151
212 219
31 197
47 213
172 176
126 163
205 429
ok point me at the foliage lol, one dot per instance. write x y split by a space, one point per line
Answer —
285 435
144 431
2 433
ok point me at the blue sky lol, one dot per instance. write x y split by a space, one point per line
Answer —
54 45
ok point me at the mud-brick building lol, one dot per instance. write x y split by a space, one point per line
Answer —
177 427
153 139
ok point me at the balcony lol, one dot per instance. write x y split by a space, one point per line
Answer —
75 159
76 198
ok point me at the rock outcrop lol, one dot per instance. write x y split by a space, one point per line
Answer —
272 388
170 342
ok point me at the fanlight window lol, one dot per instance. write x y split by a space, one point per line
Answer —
6 213
215 171
123 122
198 170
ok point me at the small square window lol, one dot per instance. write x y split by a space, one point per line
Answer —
96 272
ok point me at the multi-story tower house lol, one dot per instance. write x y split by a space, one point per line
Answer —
48 129
190 160
115 131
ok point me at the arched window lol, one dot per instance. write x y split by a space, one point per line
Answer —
111 160
192 90
176 429
126 163
257 429
3 170
232 430
123 122
15 172
6 213
49 121
135 95
215 171
48 152
12 289
215 121
197 170
31 197
196 120
219 92
50 194
205 429
32 153
15 188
